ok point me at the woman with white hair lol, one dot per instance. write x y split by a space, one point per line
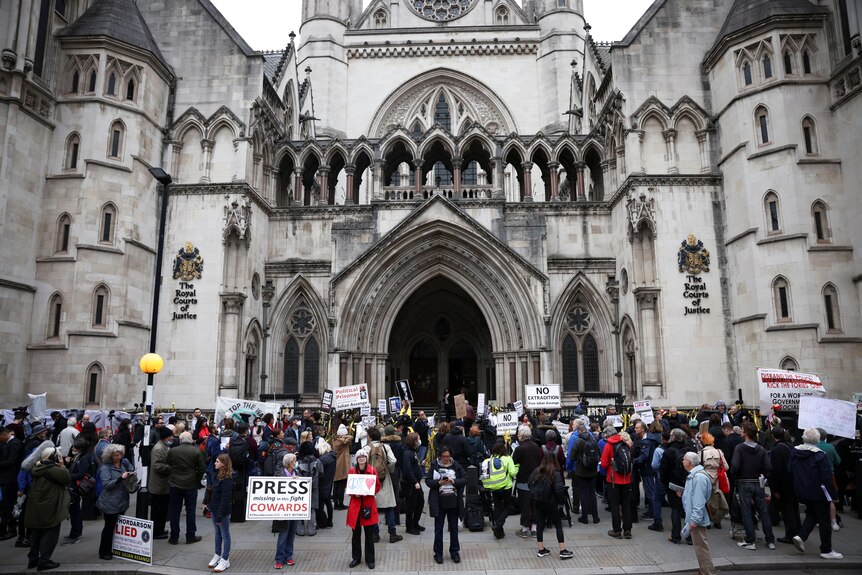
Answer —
48 508
114 499
286 529
362 513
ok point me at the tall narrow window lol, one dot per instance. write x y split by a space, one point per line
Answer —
73 146
381 19
773 217
845 27
106 233
746 73
55 315
806 62
42 38
821 223
788 63
441 113
570 364
291 367
830 305
100 306
310 366
64 227
115 143
781 295
809 135
767 67
76 80
112 84
591 364
762 117
91 83
94 383
130 90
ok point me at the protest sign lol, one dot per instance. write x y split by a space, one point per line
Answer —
644 410
519 407
38 407
507 421
786 388
352 396
381 406
394 405
242 409
278 498
358 484
404 390
460 406
542 396
365 410
480 405
133 540
562 428
616 420
834 416
326 400
431 423
368 421
857 397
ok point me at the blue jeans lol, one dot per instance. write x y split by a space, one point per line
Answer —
444 515
222 537
658 496
423 453
179 498
649 493
751 494
284 547
390 520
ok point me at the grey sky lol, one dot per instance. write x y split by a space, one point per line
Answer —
265 24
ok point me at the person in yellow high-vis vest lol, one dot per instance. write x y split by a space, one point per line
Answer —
498 474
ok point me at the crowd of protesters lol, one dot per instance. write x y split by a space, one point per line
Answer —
698 471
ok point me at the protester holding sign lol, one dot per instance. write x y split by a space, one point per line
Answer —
362 514
114 499
286 528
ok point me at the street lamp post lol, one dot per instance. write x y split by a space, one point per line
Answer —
151 363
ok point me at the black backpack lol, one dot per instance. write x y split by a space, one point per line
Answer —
541 489
622 458
590 456
237 450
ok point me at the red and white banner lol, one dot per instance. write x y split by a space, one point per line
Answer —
786 388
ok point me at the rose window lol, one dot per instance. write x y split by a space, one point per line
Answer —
441 10
578 320
302 322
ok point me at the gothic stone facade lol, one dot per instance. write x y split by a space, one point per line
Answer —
467 194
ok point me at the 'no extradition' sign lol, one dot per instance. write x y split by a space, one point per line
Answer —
278 498
507 421
542 396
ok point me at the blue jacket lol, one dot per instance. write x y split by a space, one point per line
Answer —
572 462
811 471
649 444
698 490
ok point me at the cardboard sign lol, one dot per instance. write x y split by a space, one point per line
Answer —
519 407
480 405
542 396
404 391
361 484
326 400
352 397
834 416
507 421
644 410
786 388
381 406
133 540
278 498
460 406
394 405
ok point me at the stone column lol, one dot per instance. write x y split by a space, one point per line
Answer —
256 161
499 190
621 162
527 192
456 175
377 180
298 192
607 180
579 170
636 141
670 139
23 29
323 174
10 54
555 181
417 170
232 303
703 147
650 334
207 148
613 184
267 188
349 198
173 157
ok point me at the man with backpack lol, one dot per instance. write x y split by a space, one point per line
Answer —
237 450
672 471
617 461
380 457
307 465
587 457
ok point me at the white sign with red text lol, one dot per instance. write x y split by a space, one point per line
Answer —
786 388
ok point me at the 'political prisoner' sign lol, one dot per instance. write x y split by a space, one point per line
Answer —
785 388
542 396
351 397
133 540
278 498
507 421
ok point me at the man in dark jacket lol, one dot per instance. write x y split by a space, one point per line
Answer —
11 455
749 462
459 445
648 443
420 426
187 469
527 456
781 485
812 480
672 471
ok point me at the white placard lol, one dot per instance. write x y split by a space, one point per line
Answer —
562 428
834 416
519 407
381 406
395 405
361 484
278 498
368 421
351 397
644 410
480 405
857 397
542 396
786 388
365 410
507 421
430 422
133 540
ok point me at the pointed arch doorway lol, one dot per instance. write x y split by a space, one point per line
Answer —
440 340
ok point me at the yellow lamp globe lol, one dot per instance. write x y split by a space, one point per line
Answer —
152 363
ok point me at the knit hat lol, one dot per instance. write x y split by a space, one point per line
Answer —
165 432
342 430
306 448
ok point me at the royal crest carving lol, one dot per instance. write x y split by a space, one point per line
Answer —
692 257
188 264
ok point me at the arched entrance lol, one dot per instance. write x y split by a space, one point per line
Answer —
440 340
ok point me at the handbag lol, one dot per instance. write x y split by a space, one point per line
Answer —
723 481
365 513
132 483
86 485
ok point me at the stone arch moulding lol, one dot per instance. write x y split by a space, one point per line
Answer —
400 106
504 286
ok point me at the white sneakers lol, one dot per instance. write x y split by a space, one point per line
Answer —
214 561
222 565
749 546
835 526
831 555
799 543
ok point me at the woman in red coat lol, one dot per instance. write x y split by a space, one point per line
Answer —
362 513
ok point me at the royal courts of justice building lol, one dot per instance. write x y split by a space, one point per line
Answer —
470 194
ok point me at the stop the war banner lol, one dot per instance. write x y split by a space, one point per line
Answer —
542 396
278 498
352 397
243 409
786 388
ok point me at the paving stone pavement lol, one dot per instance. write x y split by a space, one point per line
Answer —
328 552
